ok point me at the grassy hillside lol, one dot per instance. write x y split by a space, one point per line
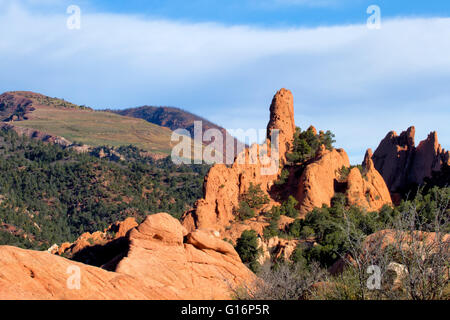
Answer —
175 118
82 124
100 128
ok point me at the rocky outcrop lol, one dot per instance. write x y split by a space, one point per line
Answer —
401 163
282 119
367 189
278 249
318 184
429 157
320 180
113 232
415 240
224 185
203 267
162 261
36 134
27 274
15 107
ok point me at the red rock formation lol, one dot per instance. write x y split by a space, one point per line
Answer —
320 180
282 118
402 164
113 232
429 241
368 190
159 264
429 157
276 248
318 184
224 185
121 228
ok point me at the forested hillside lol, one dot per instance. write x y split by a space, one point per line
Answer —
49 194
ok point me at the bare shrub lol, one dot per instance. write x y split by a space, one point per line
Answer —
413 263
284 281
425 255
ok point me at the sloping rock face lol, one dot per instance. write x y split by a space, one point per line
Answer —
367 190
224 185
27 274
222 188
99 248
162 261
402 164
320 180
204 267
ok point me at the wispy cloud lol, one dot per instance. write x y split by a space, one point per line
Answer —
360 83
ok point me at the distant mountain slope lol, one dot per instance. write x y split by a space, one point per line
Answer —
175 118
81 124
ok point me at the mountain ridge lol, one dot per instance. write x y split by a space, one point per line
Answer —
53 119
177 118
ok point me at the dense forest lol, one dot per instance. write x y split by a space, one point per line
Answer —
49 194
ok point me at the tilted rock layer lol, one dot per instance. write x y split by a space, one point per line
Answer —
163 261
401 163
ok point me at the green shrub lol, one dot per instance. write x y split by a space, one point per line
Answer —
288 207
306 233
306 144
247 248
272 229
255 197
295 228
244 211
283 177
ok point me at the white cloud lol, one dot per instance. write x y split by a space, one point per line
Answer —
360 83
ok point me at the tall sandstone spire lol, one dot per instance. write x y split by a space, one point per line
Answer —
282 118
224 185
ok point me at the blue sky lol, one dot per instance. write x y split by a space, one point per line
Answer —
224 60
268 13
274 12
